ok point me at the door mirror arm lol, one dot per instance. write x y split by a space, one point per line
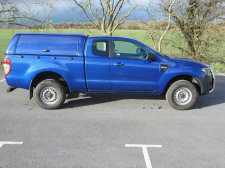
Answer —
150 57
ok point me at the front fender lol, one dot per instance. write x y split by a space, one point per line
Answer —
174 74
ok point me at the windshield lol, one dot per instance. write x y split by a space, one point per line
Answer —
153 51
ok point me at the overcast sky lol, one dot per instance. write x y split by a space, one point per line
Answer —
67 11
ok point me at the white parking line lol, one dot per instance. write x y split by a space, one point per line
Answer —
145 152
2 143
2 80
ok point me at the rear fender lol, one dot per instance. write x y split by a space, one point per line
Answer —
35 72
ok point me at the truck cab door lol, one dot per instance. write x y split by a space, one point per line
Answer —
97 65
130 70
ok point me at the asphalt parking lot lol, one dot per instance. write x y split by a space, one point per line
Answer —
93 132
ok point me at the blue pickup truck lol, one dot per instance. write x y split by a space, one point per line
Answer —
55 67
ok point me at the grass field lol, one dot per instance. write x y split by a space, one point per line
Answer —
172 40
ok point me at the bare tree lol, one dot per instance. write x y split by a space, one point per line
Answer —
155 36
192 17
106 15
20 13
35 18
7 12
170 6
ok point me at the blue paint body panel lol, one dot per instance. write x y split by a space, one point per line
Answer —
72 57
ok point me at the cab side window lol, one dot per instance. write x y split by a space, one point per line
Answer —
101 48
128 49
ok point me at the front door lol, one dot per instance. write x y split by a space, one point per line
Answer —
130 70
97 66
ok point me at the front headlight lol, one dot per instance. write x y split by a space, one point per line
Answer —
207 71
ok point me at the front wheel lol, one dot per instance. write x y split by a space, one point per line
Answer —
50 94
182 95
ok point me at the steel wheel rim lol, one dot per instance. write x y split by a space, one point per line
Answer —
49 95
183 96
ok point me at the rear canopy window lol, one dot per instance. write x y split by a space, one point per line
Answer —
12 45
50 45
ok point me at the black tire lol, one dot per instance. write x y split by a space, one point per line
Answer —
182 90
50 94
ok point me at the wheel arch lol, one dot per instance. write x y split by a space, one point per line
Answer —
48 75
189 78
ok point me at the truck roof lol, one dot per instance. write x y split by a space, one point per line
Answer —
110 37
106 36
62 34
80 36
69 34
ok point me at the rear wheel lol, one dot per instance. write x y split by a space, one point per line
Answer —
50 94
182 95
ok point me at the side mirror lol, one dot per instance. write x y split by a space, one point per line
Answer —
150 57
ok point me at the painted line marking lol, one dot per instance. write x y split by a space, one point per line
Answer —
2 80
2 143
144 151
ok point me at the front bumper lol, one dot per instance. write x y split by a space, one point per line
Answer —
208 83
213 82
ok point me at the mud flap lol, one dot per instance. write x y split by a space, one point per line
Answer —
31 93
10 89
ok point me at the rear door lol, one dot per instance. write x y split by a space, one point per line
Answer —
130 70
97 65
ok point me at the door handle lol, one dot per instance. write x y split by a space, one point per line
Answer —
20 56
119 64
46 50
